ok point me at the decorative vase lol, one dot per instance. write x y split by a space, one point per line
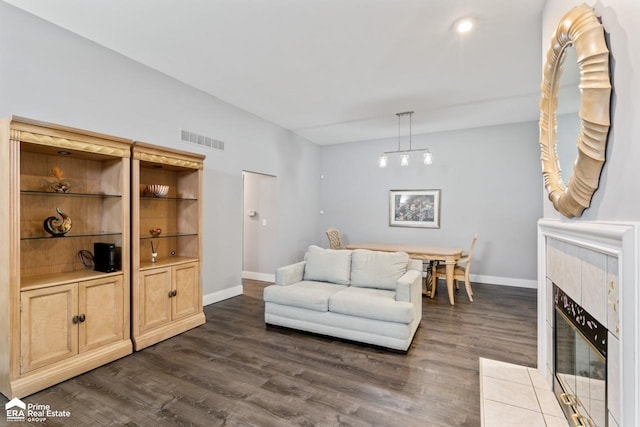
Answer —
58 185
57 227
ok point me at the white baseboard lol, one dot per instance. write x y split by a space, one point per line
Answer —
237 290
504 281
221 295
264 277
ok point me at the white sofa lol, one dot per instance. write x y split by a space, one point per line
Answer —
360 295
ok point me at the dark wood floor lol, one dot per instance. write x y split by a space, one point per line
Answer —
234 371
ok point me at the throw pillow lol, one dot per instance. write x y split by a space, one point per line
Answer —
381 270
328 265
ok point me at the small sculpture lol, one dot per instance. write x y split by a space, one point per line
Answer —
155 232
57 227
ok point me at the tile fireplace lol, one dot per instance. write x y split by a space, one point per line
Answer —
588 319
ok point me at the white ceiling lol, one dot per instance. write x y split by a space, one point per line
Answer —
332 70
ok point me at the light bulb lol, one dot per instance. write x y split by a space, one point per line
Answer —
428 158
382 161
464 25
404 160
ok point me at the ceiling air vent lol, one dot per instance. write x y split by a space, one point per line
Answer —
205 141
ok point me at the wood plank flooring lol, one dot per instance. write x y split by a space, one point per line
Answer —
234 371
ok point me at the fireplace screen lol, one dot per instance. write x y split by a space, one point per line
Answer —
580 362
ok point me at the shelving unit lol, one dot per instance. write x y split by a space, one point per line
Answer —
167 293
59 318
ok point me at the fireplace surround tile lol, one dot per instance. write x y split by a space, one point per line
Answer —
613 297
613 376
550 308
555 260
594 276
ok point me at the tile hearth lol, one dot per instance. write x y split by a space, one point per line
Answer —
516 395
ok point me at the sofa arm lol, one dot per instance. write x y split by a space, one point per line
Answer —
290 274
407 284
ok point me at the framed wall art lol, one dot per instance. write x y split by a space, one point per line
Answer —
414 208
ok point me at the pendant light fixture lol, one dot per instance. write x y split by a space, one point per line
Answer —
427 157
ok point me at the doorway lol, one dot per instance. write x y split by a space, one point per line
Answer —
259 226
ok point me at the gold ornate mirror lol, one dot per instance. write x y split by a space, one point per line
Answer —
581 29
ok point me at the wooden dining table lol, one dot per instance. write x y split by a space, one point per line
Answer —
446 254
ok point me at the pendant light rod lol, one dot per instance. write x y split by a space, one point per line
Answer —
405 113
410 150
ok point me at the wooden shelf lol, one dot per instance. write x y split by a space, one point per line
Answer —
45 280
166 262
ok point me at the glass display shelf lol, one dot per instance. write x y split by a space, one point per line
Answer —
168 198
69 235
165 236
53 193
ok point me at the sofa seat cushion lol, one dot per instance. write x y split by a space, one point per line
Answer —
381 270
378 304
328 265
306 294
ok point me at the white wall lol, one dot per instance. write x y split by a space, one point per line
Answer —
490 180
616 199
50 74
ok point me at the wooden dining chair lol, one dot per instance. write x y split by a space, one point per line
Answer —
334 238
461 270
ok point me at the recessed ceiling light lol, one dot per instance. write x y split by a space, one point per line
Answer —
464 25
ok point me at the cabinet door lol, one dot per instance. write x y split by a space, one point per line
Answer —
101 302
48 332
186 283
154 293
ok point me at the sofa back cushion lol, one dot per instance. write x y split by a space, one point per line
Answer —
381 270
328 265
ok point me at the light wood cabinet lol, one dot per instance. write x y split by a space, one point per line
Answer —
45 289
101 312
166 292
61 321
48 333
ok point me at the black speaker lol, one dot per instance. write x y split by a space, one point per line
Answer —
104 257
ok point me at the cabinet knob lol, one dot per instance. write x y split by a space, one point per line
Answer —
81 318
173 293
75 319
